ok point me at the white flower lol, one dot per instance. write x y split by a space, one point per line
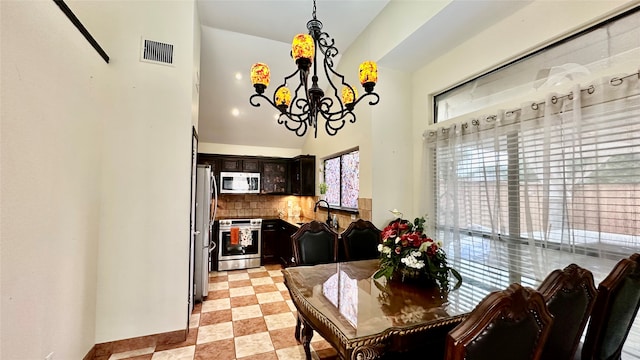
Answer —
411 261
398 239
379 248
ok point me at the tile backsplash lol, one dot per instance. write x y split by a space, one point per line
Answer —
267 206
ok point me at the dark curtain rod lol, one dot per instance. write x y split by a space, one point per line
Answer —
74 19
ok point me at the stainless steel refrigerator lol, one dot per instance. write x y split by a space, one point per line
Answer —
206 201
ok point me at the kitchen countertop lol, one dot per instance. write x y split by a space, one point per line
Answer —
295 221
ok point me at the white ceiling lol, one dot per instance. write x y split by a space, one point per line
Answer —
238 33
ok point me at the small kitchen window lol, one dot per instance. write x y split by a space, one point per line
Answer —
342 176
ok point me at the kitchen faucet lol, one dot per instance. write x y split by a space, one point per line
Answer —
315 209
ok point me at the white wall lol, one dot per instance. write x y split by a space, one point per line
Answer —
144 221
227 149
195 73
392 155
53 110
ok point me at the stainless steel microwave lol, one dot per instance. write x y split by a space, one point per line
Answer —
239 183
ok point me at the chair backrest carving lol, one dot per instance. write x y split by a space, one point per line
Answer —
570 295
510 324
614 311
360 240
314 243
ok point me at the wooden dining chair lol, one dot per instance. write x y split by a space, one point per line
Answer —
614 311
360 240
570 295
510 324
314 243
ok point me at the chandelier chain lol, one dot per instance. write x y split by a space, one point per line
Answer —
314 10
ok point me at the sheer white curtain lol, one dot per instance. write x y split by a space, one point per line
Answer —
557 181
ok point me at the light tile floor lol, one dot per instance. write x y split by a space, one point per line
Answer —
248 315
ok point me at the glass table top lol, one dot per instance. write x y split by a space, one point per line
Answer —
358 305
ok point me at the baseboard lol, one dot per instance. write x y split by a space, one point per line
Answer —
104 350
91 354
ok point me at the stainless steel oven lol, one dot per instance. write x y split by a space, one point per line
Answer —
239 243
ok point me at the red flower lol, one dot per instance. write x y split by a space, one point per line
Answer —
388 232
404 240
415 239
431 250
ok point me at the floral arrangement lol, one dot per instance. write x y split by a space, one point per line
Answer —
408 253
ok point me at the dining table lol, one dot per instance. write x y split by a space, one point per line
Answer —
367 318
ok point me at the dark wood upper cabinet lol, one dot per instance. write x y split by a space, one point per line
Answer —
211 160
294 176
250 165
302 179
231 165
274 177
240 164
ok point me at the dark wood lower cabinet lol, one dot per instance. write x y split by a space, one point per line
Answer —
270 240
276 241
286 248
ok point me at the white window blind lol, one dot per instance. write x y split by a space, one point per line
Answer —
533 189
552 180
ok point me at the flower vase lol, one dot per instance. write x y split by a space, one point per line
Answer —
410 277
322 197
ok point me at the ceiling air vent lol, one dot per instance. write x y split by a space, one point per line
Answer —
157 52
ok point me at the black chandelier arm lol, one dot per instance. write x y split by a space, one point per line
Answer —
297 121
326 44
372 102
293 123
336 120
253 100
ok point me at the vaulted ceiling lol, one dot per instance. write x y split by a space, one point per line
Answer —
238 33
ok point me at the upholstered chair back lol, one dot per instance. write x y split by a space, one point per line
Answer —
315 243
360 240
510 324
615 309
570 294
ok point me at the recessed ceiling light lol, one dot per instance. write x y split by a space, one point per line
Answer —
238 76
235 112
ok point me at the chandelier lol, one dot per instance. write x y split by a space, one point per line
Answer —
309 103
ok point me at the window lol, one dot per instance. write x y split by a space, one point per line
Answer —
342 176
583 55
533 188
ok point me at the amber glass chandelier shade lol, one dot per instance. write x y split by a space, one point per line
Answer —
303 49
260 76
283 97
349 96
368 75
